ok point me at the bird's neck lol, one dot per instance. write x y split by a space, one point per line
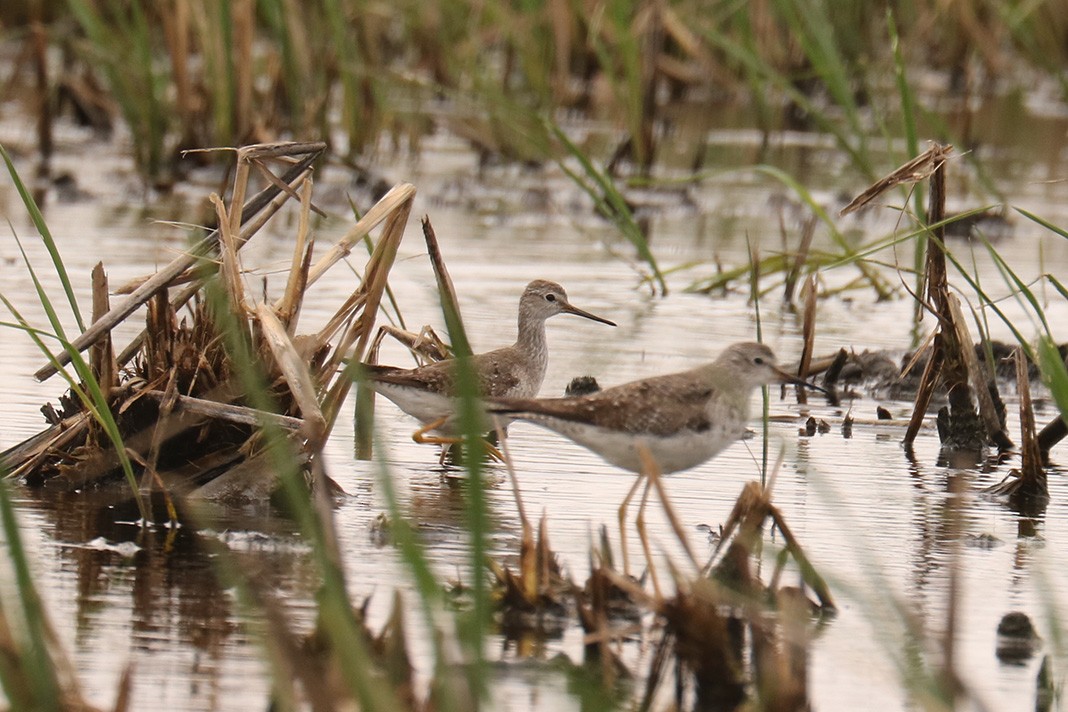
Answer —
532 346
733 393
531 335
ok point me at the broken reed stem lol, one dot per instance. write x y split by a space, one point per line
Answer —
833 371
808 572
288 308
935 264
240 188
981 385
217 410
102 355
294 369
924 393
808 330
190 290
947 350
808 231
27 456
229 265
397 196
446 289
1032 476
376 275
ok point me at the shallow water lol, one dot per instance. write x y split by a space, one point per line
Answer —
873 522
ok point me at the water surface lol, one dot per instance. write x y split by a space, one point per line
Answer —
873 521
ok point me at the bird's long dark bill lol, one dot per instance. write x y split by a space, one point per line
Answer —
569 309
785 377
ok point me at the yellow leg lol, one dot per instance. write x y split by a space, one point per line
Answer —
643 537
421 435
652 471
673 519
493 451
623 523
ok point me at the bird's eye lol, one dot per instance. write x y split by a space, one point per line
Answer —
550 297
759 361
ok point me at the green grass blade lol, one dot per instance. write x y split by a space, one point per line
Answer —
37 663
1021 288
988 301
882 289
609 201
46 235
1044 223
95 401
337 617
473 625
1061 289
1054 373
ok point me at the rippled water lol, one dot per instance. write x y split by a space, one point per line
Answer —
872 521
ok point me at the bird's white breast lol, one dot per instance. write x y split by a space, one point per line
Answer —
672 453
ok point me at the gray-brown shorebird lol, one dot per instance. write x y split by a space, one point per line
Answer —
678 420
427 393
683 419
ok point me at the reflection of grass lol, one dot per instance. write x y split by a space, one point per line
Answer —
30 662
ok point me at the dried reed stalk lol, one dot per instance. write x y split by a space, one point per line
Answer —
1032 474
808 330
102 355
288 308
398 203
193 287
294 368
446 291
981 384
953 351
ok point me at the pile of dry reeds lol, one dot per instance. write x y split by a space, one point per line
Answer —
181 393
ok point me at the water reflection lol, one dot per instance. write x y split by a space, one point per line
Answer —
141 592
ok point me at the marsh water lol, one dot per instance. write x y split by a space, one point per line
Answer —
872 519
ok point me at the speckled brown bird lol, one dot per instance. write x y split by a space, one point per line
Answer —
679 421
682 418
427 393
